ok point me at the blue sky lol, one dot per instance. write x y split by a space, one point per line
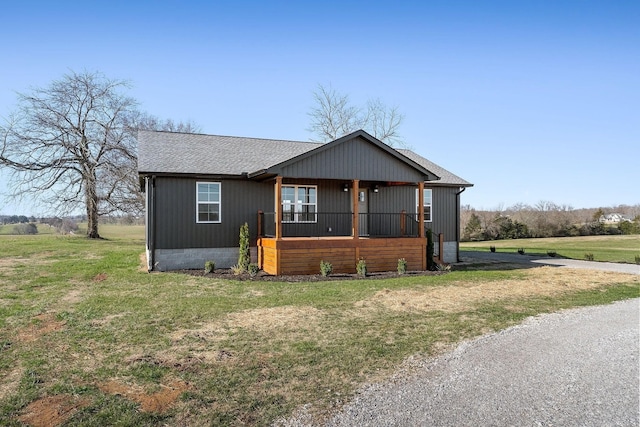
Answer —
528 100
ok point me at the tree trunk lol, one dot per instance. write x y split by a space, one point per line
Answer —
92 209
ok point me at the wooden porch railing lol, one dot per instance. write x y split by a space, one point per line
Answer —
328 224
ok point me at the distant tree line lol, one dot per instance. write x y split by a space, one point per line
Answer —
65 225
16 219
545 219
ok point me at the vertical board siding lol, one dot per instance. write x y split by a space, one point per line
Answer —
444 212
176 226
357 159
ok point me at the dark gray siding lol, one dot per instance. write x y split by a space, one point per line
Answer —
444 212
354 159
175 224
175 219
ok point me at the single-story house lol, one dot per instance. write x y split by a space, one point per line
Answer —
614 218
349 199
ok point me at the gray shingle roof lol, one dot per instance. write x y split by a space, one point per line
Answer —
184 153
446 177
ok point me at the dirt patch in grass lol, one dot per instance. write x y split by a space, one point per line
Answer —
43 324
267 319
259 319
108 319
461 296
10 381
73 297
159 401
7 264
143 262
52 411
101 277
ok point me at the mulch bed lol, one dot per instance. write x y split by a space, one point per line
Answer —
228 274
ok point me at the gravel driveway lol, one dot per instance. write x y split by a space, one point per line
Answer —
574 368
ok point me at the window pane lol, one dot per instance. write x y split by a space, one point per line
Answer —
288 193
287 212
214 194
302 195
208 212
427 213
427 196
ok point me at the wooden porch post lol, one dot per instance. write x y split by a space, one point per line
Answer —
259 240
278 195
354 200
278 209
421 209
355 232
421 222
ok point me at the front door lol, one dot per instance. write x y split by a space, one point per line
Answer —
363 210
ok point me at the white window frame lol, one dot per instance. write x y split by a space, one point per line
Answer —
429 204
208 202
298 211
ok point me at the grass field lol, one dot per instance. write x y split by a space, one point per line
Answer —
604 248
87 337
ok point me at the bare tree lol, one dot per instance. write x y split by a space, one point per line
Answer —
73 145
144 121
68 145
333 116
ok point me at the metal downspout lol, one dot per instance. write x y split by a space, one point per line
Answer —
152 219
462 189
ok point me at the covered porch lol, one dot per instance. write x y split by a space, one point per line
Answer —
287 247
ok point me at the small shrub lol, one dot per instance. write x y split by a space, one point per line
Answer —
521 251
209 266
244 256
253 270
637 259
237 270
588 256
430 250
492 248
552 254
325 268
361 267
28 228
402 266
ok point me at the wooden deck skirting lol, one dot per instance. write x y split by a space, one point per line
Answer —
302 255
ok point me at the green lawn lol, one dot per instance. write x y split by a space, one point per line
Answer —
7 229
604 248
83 324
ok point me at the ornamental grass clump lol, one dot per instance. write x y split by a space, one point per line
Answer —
361 268
402 266
209 267
253 270
325 268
